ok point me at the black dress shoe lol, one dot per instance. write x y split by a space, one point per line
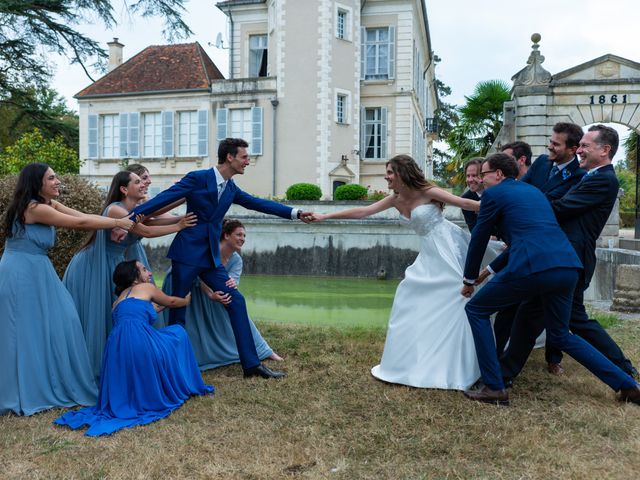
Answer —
630 395
479 385
486 395
264 372
633 373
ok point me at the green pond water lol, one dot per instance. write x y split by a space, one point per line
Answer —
324 301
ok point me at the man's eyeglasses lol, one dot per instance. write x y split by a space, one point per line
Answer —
482 174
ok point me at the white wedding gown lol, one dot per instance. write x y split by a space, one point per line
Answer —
429 342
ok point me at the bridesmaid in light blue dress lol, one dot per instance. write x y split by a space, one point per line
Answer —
43 355
146 373
136 250
207 320
88 275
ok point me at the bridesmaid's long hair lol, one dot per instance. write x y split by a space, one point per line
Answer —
410 173
124 275
27 190
120 179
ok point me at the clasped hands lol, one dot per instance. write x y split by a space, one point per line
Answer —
467 290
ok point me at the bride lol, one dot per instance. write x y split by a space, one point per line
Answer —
429 342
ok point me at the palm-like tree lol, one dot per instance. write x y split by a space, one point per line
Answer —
480 122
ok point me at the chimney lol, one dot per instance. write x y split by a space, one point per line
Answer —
115 54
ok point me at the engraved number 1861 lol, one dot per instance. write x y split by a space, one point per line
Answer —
611 99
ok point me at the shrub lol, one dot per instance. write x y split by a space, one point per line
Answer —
376 195
352 191
76 193
304 191
33 147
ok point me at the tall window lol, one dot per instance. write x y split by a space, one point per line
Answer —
378 53
152 134
187 134
341 24
110 136
258 56
341 108
374 133
240 123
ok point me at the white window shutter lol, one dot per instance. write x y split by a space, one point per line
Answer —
134 135
167 134
392 52
124 135
256 131
93 136
203 133
363 147
222 115
383 132
363 52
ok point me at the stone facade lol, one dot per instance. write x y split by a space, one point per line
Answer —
603 90
328 89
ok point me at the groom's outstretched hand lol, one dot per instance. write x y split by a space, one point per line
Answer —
306 217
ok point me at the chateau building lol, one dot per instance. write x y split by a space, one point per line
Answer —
325 92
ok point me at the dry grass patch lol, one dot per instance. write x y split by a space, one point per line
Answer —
331 419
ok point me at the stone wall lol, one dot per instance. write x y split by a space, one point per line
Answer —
604 279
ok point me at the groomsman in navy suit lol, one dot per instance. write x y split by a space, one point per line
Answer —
582 207
504 319
474 189
539 261
195 252
521 151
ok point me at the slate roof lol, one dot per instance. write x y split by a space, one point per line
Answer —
158 68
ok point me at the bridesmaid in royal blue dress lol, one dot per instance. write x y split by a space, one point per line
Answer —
43 355
88 275
207 320
146 373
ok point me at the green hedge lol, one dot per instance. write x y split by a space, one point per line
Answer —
352 191
75 192
304 191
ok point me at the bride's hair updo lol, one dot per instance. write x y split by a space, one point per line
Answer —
410 173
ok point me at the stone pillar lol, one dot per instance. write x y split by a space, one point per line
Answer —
626 296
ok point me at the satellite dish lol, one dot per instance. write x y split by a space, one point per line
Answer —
219 40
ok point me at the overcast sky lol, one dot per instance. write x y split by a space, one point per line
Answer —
476 40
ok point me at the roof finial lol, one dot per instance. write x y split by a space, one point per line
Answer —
533 73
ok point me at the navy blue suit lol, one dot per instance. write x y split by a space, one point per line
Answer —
582 213
504 318
556 186
195 251
539 261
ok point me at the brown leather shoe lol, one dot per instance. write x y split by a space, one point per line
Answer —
555 369
486 395
630 395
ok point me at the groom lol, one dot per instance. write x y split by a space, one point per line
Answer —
539 261
195 252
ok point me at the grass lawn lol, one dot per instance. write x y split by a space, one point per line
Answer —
331 419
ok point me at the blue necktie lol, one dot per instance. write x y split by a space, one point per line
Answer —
553 171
